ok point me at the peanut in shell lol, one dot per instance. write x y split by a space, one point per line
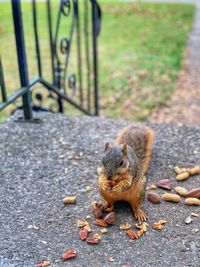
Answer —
171 197
190 201
181 191
194 170
182 176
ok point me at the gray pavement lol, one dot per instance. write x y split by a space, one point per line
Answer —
42 163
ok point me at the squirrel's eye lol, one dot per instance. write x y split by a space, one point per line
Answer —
121 163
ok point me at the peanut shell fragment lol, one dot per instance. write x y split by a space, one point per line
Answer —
69 200
151 187
171 197
43 264
194 193
92 240
69 254
165 184
104 230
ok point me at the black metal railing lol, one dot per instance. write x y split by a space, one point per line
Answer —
80 87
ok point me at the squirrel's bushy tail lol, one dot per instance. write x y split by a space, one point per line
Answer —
140 138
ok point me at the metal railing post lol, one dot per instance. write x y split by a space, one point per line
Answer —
95 59
21 54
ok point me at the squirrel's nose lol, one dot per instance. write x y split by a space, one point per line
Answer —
109 176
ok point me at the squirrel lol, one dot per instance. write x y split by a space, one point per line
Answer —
122 174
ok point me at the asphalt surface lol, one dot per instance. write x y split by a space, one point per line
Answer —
42 163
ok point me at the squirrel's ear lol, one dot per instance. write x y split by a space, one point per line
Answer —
125 150
106 146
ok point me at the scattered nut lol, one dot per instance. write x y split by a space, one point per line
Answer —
81 223
104 230
92 240
151 187
192 201
179 170
188 220
161 221
111 259
69 254
83 234
153 197
43 264
139 224
171 197
96 211
194 193
195 230
143 229
194 170
157 226
182 176
33 226
88 228
88 188
181 191
125 226
165 184
100 222
131 234
110 218
69 200
194 214
88 217
97 236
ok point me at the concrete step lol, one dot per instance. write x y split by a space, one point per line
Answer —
42 163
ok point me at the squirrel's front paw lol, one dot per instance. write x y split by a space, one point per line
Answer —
141 216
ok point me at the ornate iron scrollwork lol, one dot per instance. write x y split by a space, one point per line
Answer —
72 83
66 6
82 19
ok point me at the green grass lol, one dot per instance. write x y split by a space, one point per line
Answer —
141 48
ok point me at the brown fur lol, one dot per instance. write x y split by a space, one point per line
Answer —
140 138
125 187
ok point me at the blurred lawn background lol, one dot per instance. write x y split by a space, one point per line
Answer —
141 48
